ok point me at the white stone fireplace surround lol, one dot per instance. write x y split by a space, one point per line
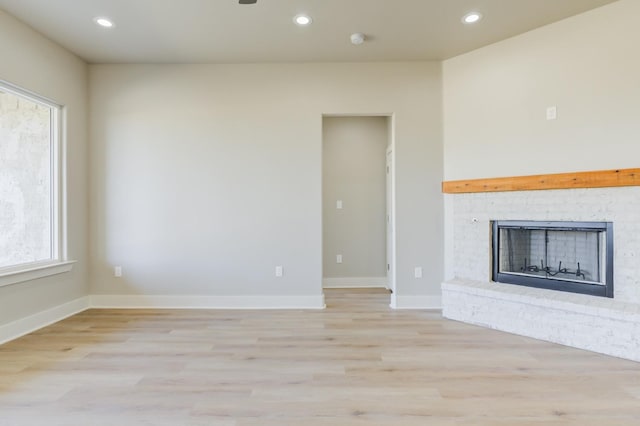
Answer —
609 326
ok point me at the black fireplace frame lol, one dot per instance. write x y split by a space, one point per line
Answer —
550 283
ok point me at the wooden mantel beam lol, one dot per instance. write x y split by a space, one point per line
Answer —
593 179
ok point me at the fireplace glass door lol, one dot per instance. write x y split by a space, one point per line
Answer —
567 256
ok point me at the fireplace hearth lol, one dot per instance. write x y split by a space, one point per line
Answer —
574 257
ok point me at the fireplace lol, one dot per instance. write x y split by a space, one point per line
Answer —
575 257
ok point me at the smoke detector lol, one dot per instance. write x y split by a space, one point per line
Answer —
357 38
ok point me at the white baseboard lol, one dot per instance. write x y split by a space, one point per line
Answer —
206 302
355 282
23 326
34 322
416 302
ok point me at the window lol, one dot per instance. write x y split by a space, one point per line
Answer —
30 213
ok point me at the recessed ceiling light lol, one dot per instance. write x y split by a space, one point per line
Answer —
302 20
104 22
471 18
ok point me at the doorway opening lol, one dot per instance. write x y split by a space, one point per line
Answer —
357 202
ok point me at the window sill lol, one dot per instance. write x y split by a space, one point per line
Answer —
34 271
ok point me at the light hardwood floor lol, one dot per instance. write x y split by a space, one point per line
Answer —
355 363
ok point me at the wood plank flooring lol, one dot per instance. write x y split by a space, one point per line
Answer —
355 363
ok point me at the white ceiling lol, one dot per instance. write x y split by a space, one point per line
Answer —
222 31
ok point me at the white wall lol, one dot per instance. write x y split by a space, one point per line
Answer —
354 154
495 99
205 177
33 62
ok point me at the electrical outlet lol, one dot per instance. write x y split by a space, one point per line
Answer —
339 204
418 272
117 271
552 113
339 258
279 271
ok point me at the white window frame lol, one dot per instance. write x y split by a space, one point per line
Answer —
59 262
